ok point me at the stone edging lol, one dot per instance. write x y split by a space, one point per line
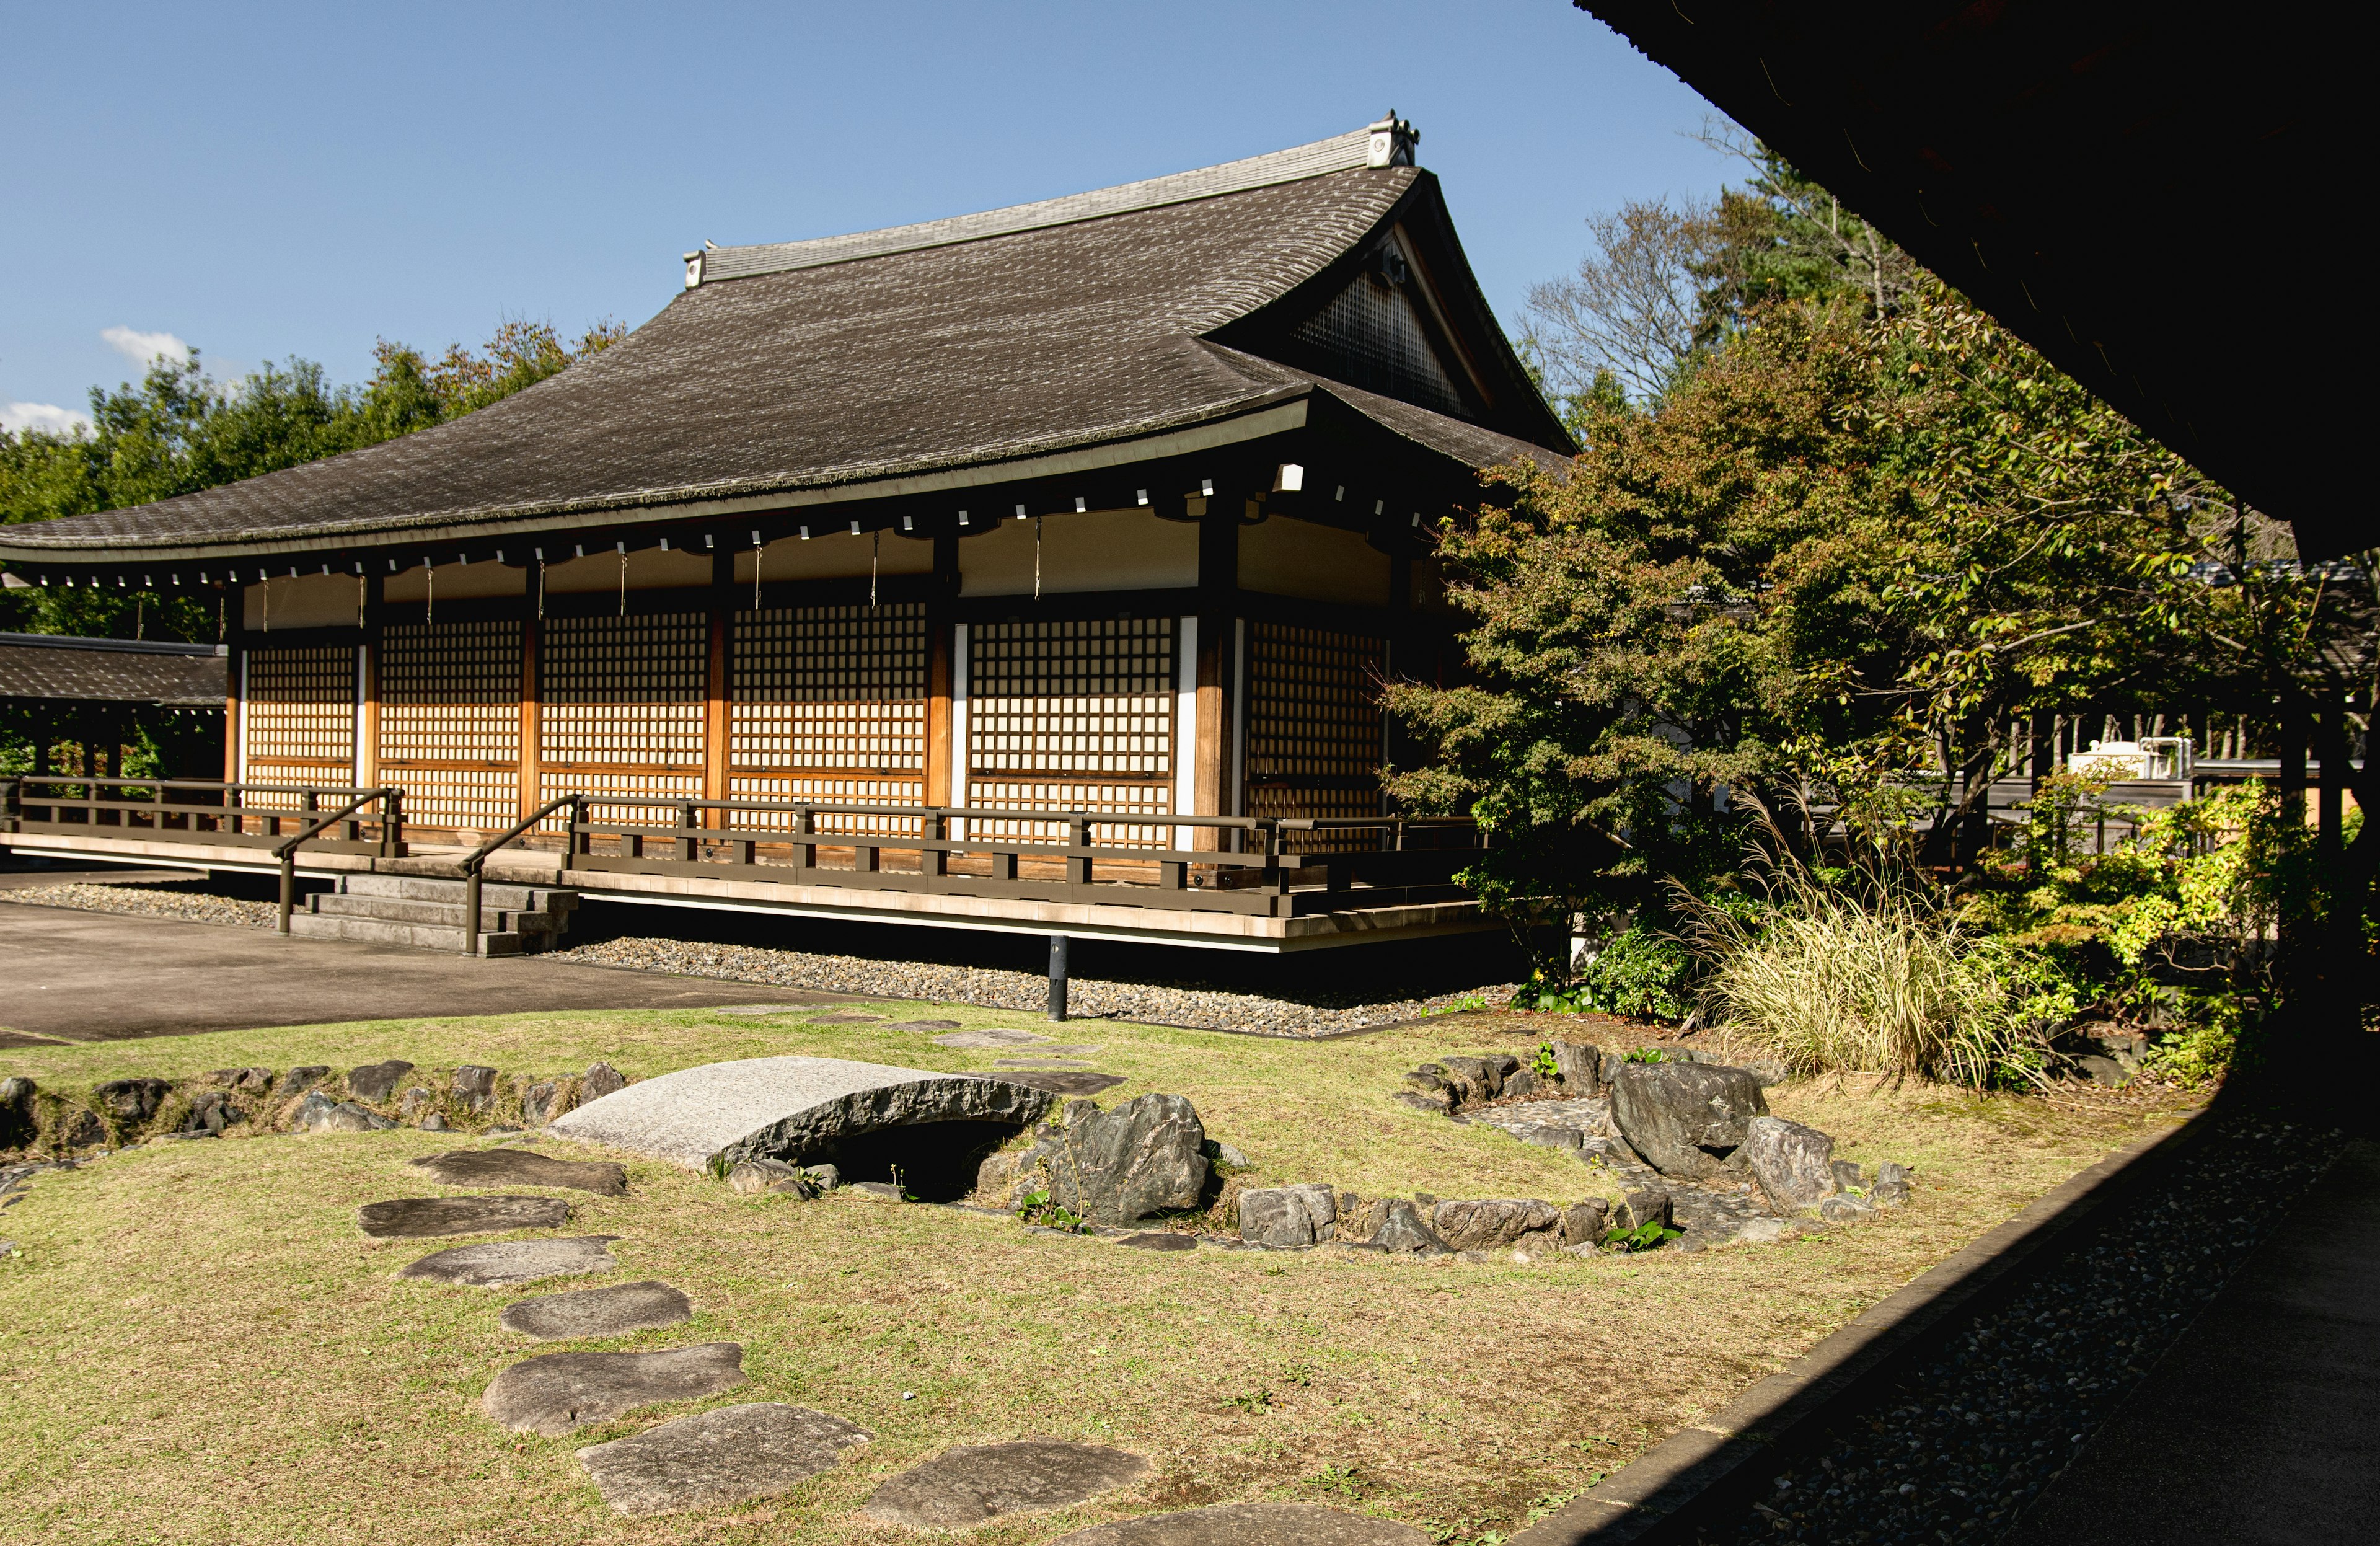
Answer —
1664 1493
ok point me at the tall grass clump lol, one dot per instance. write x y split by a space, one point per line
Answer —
1883 980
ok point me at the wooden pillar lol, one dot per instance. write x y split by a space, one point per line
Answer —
2330 731
235 661
716 719
1219 582
940 648
532 707
368 687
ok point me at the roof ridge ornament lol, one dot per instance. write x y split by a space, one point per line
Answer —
1392 141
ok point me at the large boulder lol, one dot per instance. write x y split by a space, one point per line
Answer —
1476 1080
1580 1064
376 1081
1110 1167
1684 1119
1292 1216
1793 1164
1402 1231
1489 1224
16 1124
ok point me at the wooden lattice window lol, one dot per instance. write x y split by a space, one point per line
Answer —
1315 731
829 688
301 711
1074 716
624 692
450 693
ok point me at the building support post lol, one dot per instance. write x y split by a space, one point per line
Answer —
716 694
1219 582
235 673
941 642
1057 977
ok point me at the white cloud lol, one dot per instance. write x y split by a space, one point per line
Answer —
142 347
42 416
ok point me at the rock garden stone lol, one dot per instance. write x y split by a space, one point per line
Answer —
1159 1240
1292 1217
300 1080
874 1191
1119 1166
602 1080
1793 1164
241 1079
502 1263
1430 1088
555 1392
1843 1208
969 1485
1250 1524
923 1025
1475 1079
1585 1224
318 1114
1684 1119
711 1459
1546 1136
1847 1176
376 1081
826 1178
1401 1230
1223 1156
80 1127
788 1108
411 1106
543 1100
16 1125
1762 1232
1489 1224
516 1167
212 1112
1891 1188
419 1218
585 1312
436 1123
749 1176
1649 1206
132 1100
970 1041
1580 1064
475 1087
1063 1082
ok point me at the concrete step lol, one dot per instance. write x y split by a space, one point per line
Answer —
448 914
416 936
419 888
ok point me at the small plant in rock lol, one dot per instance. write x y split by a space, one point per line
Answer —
1250 1401
1544 1062
1041 1208
1467 1003
1652 1235
1648 1054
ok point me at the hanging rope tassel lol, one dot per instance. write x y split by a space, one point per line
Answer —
623 581
757 553
267 603
874 561
428 593
360 598
540 589
1037 558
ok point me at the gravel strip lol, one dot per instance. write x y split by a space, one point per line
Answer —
1961 1446
196 907
1028 992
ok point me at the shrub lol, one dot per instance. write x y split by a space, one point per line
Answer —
1887 983
1637 973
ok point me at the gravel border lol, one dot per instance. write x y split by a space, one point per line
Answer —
992 988
194 906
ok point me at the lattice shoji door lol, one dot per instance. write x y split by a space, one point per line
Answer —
1315 745
450 722
829 703
1074 716
300 719
621 716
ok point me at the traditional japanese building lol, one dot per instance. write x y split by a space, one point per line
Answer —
1112 509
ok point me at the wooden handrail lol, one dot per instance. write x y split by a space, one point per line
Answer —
287 852
477 861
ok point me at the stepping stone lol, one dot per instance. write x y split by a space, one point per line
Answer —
790 1107
1037 1063
1056 1081
844 1019
554 1393
515 1167
1160 1240
726 1457
1250 1524
972 1039
969 1485
614 1311
873 1191
502 1263
763 1010
419 1218
923 1025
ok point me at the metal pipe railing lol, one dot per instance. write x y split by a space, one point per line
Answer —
477 861
287 852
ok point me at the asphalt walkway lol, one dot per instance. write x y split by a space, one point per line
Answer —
67 974
2262 1423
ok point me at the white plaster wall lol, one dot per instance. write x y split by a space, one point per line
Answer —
648 570
1285 557
1100 550
458 582
315 601
833 553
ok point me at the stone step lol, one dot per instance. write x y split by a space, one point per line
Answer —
420 888
396 910
416 936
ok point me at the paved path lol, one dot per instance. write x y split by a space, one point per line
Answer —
2262 1423
94 976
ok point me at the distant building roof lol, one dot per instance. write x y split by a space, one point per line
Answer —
62 668
939 356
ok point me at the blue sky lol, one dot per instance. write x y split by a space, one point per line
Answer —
265 181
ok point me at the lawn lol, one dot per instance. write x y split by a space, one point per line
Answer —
196 1342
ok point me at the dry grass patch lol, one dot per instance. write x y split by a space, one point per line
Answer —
197 1342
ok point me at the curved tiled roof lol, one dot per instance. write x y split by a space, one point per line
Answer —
972 351
66 668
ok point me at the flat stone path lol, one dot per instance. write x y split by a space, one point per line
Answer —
971 1041
1053 1081
966 1486
68 980
1159 1240
503 1263
725 1456
1250 1524
922 1025
555 1392
590 1312
421 1218
519 1167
